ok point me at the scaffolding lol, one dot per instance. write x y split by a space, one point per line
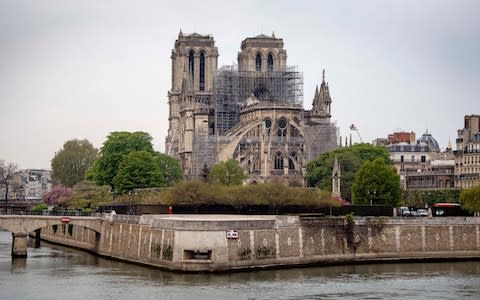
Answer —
320 138
234 87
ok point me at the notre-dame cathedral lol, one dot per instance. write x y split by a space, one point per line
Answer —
252 112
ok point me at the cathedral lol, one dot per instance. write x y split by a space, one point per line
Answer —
251 112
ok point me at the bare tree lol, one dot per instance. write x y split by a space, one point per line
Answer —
7 170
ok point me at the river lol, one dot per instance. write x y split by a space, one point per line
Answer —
55 272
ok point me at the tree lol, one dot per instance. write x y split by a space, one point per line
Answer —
138 170
72 161
117 146
227 172
85 194
58 195
350 159
377 183
470 199
7 171
170 170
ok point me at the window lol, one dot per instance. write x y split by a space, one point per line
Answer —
191 64
278 161
202 71
413 158
282 127
291 165
401 158
258 63
423 158
270 63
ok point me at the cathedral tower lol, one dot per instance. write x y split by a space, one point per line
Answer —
262 53
194 64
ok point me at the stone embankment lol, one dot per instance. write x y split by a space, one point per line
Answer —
231 242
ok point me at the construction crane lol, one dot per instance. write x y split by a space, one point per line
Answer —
354 128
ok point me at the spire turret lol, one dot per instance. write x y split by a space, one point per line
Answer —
322 100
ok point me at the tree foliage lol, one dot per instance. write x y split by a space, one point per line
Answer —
418 198
470 199
275 195
57 195
170 170
350 159
227 172
137 170
127 161
72 161
118 145
85 194
377 183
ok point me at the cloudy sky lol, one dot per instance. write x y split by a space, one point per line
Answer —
82 69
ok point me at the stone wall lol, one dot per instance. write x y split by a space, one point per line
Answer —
281 240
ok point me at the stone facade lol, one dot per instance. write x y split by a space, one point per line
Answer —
200 243
467 155
252 112
421 164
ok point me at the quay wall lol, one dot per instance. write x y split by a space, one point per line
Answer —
202 245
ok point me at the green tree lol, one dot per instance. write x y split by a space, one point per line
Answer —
85 194
117 146
137 170
470 199
227 172
377 183
350 159
72 161
170 170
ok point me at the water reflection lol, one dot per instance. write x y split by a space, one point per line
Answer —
54 272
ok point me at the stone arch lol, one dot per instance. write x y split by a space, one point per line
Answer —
27 224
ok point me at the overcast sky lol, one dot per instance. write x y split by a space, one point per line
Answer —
82 69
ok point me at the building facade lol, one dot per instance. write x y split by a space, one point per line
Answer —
252 112
420 163
467 154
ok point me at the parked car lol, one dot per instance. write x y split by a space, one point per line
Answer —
403 211
422 212
413 213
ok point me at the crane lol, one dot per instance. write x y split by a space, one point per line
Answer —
354 128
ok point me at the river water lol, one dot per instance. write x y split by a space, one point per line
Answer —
55 272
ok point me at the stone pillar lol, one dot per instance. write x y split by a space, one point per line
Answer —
19 244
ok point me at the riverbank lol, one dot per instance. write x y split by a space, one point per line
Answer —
214 243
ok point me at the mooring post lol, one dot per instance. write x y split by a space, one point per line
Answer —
19 244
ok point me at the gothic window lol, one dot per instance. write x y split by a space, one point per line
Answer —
278 161
191 64
258 63
202 71
268 125
282 127
270 63
291 165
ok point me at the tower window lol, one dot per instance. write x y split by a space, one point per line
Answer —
191 64
258 63
270 63
202 71
291 165
278 161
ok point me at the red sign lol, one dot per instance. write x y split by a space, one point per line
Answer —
65 220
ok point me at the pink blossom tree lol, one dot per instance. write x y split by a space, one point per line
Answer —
57 195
